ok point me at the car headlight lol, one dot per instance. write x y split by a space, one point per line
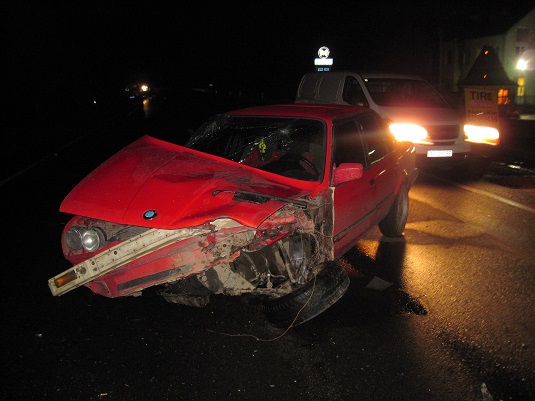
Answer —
73 238
478 134
408 132
91 239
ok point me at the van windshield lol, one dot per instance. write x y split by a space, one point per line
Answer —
396 92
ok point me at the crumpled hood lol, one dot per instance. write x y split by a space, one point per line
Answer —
420 115
178 184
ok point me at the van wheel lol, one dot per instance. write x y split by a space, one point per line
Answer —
394 222
310 300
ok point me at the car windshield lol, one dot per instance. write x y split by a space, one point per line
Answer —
396 92
289 146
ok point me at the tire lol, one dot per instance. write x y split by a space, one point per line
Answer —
310 300
394 222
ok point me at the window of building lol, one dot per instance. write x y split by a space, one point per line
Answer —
503 96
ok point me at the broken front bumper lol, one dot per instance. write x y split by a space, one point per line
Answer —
153 257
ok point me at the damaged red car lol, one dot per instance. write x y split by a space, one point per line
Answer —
259 201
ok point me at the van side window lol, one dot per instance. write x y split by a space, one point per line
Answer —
347 143
353 93
328 88
378 140
307 89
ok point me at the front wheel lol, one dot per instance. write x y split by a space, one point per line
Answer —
310 300
394 222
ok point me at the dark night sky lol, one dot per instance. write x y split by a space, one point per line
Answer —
76 50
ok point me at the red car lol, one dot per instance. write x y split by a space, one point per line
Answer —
261 200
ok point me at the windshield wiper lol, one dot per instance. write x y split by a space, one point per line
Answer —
254 197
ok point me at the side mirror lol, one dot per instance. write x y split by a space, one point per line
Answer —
347 172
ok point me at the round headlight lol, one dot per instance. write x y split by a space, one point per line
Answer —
91 240
73 238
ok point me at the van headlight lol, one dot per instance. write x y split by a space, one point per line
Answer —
478 134
408 132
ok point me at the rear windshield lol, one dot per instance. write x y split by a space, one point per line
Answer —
395 92
293 147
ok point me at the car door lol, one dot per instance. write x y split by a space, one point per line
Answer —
381 161
353 200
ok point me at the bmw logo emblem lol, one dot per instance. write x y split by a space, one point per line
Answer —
149 214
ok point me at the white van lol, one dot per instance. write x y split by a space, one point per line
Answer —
413 109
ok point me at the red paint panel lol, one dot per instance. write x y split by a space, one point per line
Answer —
179 184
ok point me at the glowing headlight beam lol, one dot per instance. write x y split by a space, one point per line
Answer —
408 132
480 134
522 64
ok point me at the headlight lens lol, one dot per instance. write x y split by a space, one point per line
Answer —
73 238
408 132
480 134
91 239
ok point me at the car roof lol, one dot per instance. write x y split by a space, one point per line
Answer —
371 74
322 111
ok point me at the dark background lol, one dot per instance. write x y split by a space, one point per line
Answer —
66 65
62 57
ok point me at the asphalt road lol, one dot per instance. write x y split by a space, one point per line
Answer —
457 310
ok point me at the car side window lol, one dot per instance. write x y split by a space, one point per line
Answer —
347 143
353 93
378 140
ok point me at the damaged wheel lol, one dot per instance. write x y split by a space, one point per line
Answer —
310 300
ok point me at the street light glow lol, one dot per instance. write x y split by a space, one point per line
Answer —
522 64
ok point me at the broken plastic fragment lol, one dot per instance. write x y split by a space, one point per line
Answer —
485 393
378 284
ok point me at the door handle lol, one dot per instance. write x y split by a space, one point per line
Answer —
372 182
